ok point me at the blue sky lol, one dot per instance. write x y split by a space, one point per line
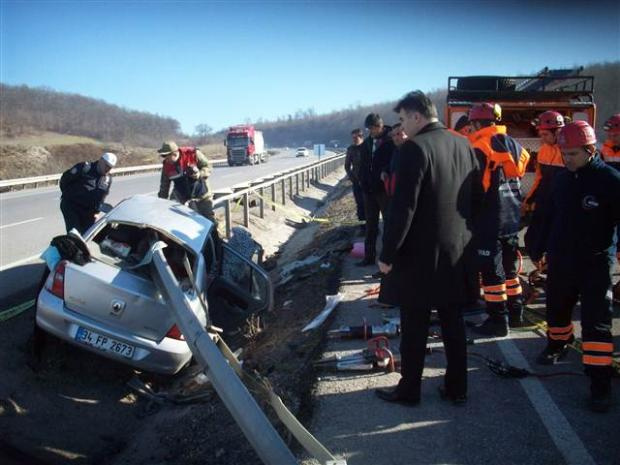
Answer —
221 63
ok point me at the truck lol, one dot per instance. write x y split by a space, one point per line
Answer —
245 146
523 98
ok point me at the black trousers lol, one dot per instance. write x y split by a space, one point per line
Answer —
498 264
415 321
590 282
374 204
76 217
358 195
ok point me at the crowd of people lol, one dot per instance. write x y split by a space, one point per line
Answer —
452 206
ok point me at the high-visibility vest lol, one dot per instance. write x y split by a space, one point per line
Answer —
611 154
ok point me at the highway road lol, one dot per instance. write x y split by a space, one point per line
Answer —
29 219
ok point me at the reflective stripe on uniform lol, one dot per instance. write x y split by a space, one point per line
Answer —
563 333
513 287
597 360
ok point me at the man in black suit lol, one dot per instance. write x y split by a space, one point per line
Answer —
426 244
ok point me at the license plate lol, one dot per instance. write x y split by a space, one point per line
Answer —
104 343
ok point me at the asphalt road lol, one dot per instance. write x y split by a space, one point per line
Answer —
29 219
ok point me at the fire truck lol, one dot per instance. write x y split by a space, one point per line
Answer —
523 98
245 146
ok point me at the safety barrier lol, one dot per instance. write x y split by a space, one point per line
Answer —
53 179
296 179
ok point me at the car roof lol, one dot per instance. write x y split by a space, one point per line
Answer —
179 221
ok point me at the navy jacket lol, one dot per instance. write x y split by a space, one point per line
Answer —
583 212
84 187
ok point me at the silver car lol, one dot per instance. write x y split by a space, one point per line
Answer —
111 305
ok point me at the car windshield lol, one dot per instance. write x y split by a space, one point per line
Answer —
301 149
240 141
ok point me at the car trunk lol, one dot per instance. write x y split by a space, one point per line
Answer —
117 298
117 292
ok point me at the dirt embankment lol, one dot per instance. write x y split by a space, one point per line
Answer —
73 406
26 160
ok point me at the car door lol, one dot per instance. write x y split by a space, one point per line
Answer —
240 289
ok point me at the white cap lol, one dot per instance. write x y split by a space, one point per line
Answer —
109 158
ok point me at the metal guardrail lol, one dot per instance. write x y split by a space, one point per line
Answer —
53 179
298 178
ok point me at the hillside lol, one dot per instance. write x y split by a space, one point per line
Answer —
26 110
305 126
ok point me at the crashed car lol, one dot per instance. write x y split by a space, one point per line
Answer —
112 305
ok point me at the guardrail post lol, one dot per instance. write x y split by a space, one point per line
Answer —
227 218
297 183
303 180
261 204
290 187
273 197
246 210
283 186
307 178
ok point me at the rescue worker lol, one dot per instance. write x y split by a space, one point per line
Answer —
549 164
578 238
376 154
611 148
463 126
611 154
187 168
84 187
503 161
352 167
426 245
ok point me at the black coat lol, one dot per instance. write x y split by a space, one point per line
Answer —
427 234
373 164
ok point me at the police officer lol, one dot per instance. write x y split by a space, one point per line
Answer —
187 168
579 242
503 163
549 164
84 187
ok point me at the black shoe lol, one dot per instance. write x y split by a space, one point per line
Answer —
366 262
460 399
395 396
552 355
600 402
491 328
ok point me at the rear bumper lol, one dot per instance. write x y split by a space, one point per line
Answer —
167 356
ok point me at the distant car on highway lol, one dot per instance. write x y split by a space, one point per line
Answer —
113 307
302 152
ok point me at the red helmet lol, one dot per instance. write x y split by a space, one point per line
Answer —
485 112
576 134
612 125
549 120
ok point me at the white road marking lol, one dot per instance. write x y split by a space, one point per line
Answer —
20 222
20 262
560 430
